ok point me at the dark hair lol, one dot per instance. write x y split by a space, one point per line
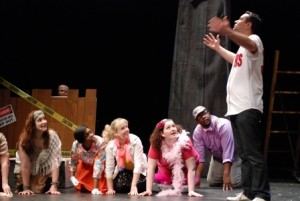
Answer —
256 22
156 137
79 133
27 135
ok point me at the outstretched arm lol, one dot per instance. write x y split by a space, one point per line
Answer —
135 179
222 26
151 165
4 172
214 43
191 167
199 172
25 171
226 176
54 183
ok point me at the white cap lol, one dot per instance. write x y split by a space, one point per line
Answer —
198 110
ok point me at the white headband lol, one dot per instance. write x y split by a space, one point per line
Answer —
37 113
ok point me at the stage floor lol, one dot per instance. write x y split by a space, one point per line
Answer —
281 191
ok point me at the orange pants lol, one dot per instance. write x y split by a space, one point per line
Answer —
84 174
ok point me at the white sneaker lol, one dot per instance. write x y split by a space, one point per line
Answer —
258 199
239 197
95 191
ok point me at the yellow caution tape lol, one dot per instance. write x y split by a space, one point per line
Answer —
64 154
12 152
38 104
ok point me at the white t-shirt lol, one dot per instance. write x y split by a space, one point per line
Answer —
245 82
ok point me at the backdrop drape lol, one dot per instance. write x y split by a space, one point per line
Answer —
199 75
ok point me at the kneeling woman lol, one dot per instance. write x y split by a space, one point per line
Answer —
88 161
176 158
39 154
126 162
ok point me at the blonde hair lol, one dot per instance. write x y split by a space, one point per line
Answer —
109 130
106 133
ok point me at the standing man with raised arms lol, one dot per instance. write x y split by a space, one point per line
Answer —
244 99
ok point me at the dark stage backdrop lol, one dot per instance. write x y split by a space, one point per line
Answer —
122 48
125 49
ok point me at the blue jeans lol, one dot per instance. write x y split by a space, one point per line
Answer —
249 138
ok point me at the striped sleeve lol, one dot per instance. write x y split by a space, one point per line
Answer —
3 144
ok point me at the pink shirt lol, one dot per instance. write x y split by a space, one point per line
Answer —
163 165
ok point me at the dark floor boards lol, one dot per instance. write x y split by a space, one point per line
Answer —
281 191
